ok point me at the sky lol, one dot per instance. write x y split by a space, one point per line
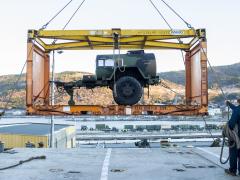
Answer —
219 17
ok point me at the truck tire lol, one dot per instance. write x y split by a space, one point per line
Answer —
127 91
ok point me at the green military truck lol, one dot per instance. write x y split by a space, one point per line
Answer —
125 74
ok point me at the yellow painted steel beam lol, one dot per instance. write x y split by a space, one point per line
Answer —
100 39
159 32
123 39
105 46
41 43
108 33
66 45
124 47
105 33
167 37
96 47
103 39
73 38
167 45
132 39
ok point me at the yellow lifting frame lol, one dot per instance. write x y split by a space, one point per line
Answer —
103 39
41 42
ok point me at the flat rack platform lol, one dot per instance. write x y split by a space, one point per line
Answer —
187 110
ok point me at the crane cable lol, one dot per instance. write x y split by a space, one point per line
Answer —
75 12
61 10
55 40
25 63
177 14
70 19
187 24
15 84
159 12
216 77
163 84
64 27
168 24
225 98
67 23
170 27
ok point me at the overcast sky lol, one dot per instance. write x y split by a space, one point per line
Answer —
219 17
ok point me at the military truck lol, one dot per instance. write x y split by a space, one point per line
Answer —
125 74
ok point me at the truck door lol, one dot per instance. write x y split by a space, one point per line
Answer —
104 67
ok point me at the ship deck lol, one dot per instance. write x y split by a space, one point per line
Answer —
116 163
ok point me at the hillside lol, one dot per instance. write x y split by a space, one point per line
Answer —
229 77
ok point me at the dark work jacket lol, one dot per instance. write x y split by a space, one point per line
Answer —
235 118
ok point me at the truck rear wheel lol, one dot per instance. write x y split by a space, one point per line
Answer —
128 91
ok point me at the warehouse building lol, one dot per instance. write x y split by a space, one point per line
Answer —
37 135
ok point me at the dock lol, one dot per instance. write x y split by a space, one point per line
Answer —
116 163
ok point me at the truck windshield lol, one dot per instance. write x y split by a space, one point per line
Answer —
105 62
109 62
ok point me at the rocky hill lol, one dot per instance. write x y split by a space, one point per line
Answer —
229 77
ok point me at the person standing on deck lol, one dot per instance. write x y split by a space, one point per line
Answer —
234 153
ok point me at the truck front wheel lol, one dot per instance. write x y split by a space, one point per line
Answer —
127 91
